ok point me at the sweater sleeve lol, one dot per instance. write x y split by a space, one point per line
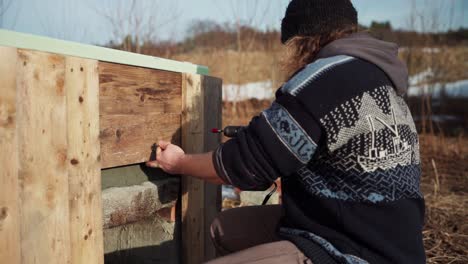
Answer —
278 142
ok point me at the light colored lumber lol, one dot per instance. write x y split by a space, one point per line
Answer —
212 94
137 107
9 196
45 44
193 221
84 168
42 159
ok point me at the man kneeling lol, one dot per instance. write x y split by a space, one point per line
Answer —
343 141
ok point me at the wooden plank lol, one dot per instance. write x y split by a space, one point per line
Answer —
192 202
45 44
135 91
84 168
9 196
42 158
212 94
127 139
137 107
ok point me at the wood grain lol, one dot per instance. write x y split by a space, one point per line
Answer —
138 91
192 202
42 158
212 94
84 167
138 107
9 193
127 139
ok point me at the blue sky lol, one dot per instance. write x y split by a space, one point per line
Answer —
84 21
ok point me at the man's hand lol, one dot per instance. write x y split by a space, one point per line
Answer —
168 157
173 160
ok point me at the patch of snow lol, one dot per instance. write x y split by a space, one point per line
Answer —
257 90
454 89
421 77
418 86
431 50
441 118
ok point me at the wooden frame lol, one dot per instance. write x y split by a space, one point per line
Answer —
68 48
63 119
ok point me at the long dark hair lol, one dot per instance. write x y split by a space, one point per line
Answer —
301 50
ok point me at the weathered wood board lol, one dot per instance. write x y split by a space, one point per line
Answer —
52 178
200 201
42 159
9 193
84 169
193 199
212 92
138 107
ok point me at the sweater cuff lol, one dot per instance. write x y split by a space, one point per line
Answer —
219 166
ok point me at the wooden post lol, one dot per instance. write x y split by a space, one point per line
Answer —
84 168
9 193
50 197
212 88
201 100
42 159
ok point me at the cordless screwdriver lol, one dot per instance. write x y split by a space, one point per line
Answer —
229 131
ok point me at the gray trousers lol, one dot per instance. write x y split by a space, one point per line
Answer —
248 235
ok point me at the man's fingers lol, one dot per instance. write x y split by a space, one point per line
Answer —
163 144
158 151
152 164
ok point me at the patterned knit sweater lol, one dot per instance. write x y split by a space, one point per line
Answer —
346 148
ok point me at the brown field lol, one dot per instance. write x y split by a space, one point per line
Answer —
444 184
448 64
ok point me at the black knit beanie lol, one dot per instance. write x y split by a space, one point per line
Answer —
316 17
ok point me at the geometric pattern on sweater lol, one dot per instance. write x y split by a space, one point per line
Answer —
291 134
355 185
312 72
371 153
332 250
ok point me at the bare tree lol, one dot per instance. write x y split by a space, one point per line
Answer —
136 22
427 19
247 16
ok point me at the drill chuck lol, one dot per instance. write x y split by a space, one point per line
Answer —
229 131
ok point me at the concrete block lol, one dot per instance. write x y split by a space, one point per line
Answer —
123 205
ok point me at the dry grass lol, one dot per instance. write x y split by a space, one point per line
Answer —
446 230
448 64
444 183
238 67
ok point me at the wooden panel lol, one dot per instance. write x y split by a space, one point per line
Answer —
212 94
138 106
132 91
42 158
193 235
9 215
127 139
84 168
